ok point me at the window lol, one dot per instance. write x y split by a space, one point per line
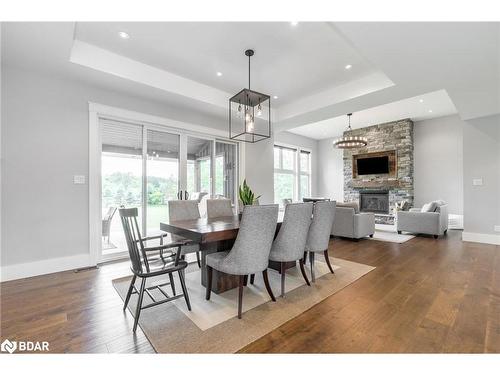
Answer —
292 174
305 174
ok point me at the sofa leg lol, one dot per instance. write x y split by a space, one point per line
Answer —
399 232
371 235
436 236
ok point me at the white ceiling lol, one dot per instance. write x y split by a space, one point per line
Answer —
176 63
289 61
422 107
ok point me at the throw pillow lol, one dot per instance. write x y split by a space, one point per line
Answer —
429 207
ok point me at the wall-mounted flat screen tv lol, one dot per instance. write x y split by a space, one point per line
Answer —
375 165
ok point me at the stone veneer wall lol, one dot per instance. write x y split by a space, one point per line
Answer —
397 135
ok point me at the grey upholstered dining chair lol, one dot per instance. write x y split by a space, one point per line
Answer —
250 252
219 208
179 210
291 239
319 233
145 265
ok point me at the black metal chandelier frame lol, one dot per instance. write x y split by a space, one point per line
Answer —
249 99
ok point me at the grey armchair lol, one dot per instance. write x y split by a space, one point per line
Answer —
291 239
434 223
185 210
250 252
351 223
318 237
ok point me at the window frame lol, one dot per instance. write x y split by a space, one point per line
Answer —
296 172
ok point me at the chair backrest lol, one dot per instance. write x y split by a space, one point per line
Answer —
250 252
219 208
109 215
133 237
183 210
321 226
291 239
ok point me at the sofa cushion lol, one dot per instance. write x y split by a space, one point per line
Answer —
429 207
353 205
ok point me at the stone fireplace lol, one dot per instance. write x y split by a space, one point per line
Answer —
377 193
374 201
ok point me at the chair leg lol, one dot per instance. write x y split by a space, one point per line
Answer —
240 295
209 283
178 255
172 284
303 271
139 303
283 274
327 258
252 278
198 259
268 287
184 290
245 280
311 261
129 293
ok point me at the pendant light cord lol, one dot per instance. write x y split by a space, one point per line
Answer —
249 72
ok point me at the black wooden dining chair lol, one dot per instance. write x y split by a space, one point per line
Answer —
154 264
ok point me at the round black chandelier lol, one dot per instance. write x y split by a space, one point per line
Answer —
249 113
349 141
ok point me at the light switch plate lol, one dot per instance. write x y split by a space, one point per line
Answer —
78 179
477 182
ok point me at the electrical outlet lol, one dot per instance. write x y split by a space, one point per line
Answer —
79 179
477 182
496 228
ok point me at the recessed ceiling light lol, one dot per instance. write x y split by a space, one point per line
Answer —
421 100
275 97
294 23
348 66
219 74
430 110
124 35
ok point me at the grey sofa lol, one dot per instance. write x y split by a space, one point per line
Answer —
351 223
434 223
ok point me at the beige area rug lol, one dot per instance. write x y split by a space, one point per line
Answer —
213 327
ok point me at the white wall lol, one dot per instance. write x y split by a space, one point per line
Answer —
481 146
259 169
330 171
438 161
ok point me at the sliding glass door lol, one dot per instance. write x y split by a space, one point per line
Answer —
162 176
121 180
145 166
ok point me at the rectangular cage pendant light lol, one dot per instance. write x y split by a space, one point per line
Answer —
249 113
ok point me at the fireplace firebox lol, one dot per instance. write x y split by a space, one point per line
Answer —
375 201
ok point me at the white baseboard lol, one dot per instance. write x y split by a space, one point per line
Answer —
42 267
493 239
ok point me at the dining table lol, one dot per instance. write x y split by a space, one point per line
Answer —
213 235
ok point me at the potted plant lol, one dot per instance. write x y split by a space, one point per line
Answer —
246 195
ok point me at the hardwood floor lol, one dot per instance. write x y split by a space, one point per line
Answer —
425 295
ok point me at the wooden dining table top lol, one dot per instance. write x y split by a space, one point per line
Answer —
205 230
